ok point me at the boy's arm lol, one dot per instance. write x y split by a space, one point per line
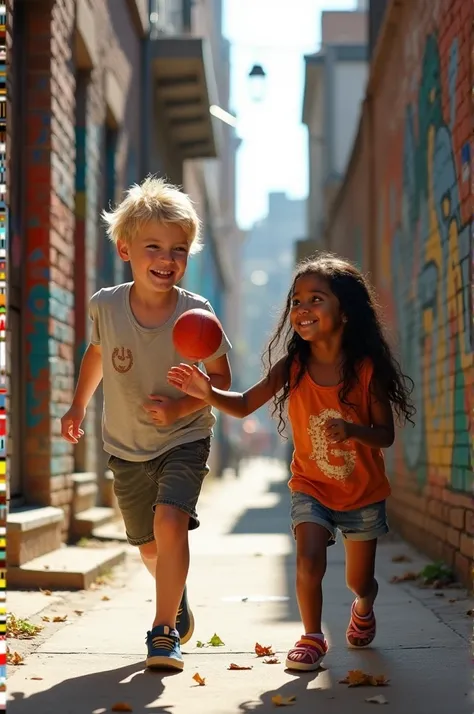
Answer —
90 376
220 376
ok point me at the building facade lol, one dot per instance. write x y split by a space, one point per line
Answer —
404 213
101 94
335 79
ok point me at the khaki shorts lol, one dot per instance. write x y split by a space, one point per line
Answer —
174 478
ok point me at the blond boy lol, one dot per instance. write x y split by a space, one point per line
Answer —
158 440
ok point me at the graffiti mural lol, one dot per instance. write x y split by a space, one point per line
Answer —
3 327
430 269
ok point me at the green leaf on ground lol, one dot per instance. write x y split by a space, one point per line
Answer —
215 641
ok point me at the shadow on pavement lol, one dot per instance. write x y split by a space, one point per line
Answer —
297 687
97 691
275 520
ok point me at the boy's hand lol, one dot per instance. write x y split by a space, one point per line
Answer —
163 411
190 380
71 422
338 430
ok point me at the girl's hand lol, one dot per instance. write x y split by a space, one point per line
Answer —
338 430
190 380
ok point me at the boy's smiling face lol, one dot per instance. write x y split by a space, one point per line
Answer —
158 255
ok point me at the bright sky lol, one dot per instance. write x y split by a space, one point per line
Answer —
273 155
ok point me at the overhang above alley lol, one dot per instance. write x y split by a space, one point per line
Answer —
185 88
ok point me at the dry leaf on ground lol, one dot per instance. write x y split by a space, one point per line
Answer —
261 651
406 577
14 658
280 701
79 612
271 660
358 678
121 707
379 699
105 597
46 592
401 559
237 666
200 680
36 678
46 619
60 618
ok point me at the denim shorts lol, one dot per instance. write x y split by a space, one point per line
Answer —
365 523
174 478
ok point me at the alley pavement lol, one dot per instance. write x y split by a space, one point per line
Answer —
241 588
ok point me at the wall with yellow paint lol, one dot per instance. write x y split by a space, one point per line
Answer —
410 179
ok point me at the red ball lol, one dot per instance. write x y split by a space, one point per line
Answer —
197 334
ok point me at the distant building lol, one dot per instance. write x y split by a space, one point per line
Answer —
335 79
267 270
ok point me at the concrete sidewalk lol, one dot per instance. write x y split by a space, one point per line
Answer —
241 587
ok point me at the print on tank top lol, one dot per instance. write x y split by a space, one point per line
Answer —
325 452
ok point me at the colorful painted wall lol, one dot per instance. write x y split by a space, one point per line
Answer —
416 233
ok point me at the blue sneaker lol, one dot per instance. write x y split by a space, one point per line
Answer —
164 650
185 619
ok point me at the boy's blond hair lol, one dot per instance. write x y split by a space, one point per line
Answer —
153 199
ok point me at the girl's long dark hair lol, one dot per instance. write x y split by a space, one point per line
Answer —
363 338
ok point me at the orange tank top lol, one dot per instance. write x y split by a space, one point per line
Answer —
343 476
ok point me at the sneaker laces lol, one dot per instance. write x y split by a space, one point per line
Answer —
163 642
178 616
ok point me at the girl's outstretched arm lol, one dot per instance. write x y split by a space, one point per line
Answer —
192 381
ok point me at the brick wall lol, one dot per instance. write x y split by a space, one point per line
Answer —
71 171
49 243
407 201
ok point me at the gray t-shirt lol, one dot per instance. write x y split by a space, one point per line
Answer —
135 362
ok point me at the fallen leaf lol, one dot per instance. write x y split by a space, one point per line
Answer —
46 619
452 599
280 701
121 707
36 677
200 644
237 666
470 613
105 597
46 592
46 567
215 641
262 651
406 577
197 678
14 658
379 699
358 678
60 618
401 559
79 612
271 660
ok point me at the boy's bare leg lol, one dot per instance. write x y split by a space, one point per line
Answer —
172 562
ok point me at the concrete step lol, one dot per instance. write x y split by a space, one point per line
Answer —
32 532
85 491
86 521
115 530
67 568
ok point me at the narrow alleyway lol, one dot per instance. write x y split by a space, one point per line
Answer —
242 589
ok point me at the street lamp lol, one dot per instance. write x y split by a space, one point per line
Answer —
257 77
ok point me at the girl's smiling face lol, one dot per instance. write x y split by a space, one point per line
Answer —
315 310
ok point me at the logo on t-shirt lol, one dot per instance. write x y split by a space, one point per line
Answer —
333 461
122 359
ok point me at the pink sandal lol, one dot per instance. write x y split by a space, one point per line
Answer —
361 630
307 654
